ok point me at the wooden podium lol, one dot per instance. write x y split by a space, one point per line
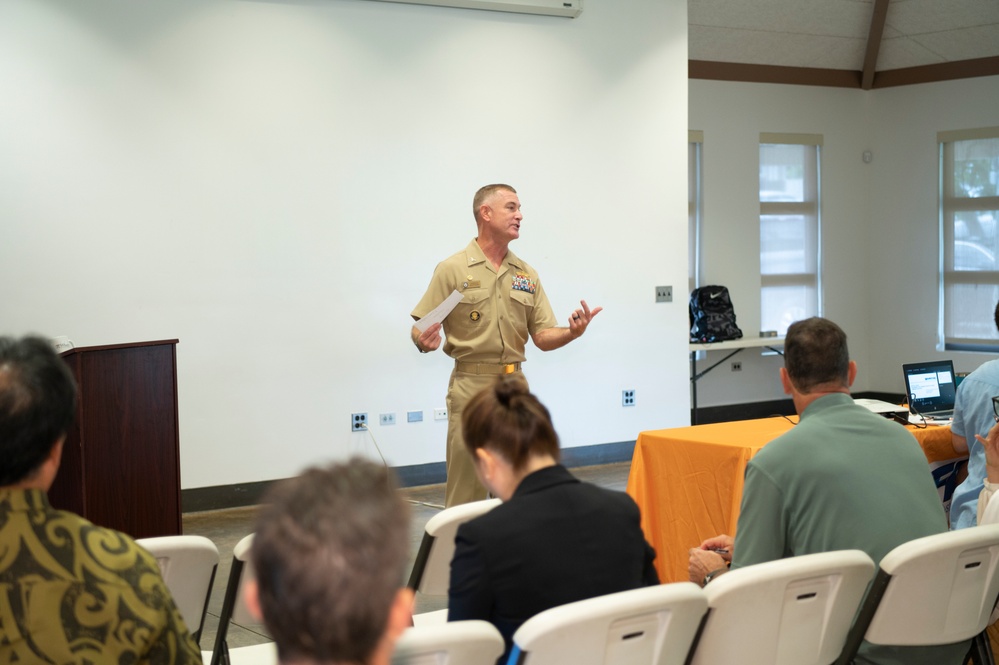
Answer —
121 460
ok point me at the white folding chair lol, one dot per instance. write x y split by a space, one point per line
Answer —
431 573
648 626
188 565
935 590
455 643
234 610
794 611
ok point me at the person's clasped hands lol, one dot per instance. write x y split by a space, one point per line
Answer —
711 558
990 442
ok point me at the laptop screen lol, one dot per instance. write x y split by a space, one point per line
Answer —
930 386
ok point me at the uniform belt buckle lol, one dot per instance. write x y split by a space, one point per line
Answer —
510 369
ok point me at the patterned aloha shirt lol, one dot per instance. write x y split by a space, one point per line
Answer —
75 593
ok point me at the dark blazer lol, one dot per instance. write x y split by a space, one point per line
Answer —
557 540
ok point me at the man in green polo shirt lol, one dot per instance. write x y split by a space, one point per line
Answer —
843 478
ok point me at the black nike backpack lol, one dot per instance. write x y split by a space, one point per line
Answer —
712 318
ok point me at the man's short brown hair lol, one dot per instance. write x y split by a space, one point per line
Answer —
329 551
484 193
815 354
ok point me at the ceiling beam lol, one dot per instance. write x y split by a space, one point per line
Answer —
874 43
943 71
841 78
735 71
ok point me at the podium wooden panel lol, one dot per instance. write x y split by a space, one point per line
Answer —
121 460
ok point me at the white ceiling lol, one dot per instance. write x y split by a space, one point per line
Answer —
833 34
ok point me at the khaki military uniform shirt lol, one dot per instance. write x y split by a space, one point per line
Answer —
74 593
498 312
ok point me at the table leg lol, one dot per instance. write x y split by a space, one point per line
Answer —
693 387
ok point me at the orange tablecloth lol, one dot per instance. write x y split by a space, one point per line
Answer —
688 481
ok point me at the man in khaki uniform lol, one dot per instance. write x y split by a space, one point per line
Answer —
502 304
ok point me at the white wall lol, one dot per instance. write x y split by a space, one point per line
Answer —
880 223
904 217
273 182
732 115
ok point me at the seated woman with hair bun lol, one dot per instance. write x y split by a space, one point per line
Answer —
554 539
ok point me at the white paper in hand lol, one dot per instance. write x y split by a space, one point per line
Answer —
439 313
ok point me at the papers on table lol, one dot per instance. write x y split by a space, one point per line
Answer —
879 406
916 419
439 313
886 409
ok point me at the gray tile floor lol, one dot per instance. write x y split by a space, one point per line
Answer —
226 527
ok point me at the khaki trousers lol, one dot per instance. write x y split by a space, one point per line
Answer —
463 485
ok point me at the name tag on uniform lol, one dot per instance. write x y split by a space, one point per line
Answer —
472 284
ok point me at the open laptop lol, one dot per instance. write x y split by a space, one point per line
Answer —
931 388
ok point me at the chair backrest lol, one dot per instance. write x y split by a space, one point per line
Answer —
455 643
432 569
794 611
188 565
233 604
931 591
648 626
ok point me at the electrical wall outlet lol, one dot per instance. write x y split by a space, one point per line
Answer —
737 367
627 398
386 419
440 414
664 294
414 416
358 422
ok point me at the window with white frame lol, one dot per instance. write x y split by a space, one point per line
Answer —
790 223
969 215
695 140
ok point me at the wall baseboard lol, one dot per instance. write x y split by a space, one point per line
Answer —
780 407
248 494
749 411
221 497
604 453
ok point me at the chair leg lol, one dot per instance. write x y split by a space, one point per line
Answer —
980 652
220 652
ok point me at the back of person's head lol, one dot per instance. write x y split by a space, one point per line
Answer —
816 355
483 195
37 405
329 550
508 419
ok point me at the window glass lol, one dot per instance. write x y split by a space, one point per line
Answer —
789 233
969 217
693 214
